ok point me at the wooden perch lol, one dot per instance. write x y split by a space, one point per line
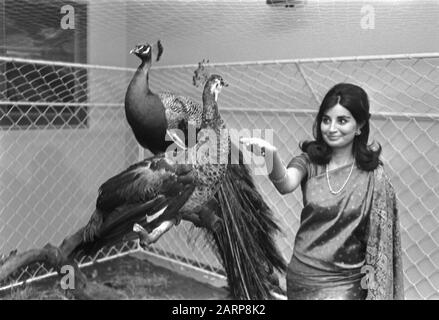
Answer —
56 257
117 227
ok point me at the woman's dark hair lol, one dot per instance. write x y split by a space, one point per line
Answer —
354 99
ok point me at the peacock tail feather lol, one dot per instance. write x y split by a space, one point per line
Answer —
245 241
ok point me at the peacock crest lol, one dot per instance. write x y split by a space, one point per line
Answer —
201 74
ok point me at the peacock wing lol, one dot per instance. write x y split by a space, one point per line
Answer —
193 110
183 116
140 183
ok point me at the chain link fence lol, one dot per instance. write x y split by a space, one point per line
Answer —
63 133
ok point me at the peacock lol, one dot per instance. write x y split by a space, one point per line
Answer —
244 231
152 116
171 184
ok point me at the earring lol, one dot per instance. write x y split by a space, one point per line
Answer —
358 132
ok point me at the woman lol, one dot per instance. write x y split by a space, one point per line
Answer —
348 243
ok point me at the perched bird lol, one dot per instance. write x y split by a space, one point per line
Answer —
144 110
243 236
165 186
152 115
209 159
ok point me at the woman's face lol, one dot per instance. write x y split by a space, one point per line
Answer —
338 127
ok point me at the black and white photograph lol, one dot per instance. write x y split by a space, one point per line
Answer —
239 152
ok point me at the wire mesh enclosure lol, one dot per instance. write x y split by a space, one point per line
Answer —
64 133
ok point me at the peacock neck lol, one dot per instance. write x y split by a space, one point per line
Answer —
210 107
208 97
143 69
145 65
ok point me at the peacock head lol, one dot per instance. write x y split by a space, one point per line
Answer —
214 85
145 51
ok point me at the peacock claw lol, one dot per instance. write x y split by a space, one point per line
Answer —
138 228
178 219
143 235
146 238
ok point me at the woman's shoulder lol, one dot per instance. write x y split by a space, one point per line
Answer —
303 162
299 160
303 156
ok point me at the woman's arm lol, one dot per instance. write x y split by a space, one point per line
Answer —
285 180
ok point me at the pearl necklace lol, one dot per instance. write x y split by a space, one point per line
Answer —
344 184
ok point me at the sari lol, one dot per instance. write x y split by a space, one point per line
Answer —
384 253
348 244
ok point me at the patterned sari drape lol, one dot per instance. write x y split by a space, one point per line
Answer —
384 254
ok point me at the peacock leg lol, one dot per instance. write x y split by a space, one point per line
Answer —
164 219
146 238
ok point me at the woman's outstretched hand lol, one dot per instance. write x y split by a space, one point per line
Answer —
258 146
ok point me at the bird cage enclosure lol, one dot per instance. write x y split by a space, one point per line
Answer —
64 132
